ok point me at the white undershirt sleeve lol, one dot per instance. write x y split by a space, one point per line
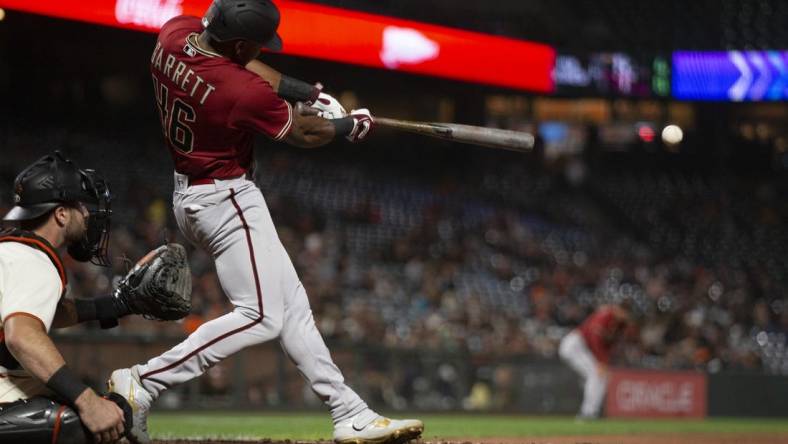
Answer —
30 286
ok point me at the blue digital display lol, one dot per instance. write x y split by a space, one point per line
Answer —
730 75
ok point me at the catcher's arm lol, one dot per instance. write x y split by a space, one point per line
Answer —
75 311
158 287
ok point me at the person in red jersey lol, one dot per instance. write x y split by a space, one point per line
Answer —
587 348
213 97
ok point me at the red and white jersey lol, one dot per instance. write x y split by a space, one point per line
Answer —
600 332
209 106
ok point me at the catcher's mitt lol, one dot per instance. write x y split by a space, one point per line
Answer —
159 286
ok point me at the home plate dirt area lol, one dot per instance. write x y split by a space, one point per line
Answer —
666 438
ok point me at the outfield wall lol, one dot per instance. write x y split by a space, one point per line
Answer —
732 394
427 380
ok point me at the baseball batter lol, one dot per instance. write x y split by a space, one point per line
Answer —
212 98
587 350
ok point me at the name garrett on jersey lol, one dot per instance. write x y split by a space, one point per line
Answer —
180 74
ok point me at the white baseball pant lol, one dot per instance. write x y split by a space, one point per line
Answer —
574 351
230 220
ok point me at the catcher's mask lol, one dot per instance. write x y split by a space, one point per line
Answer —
54 180
93 246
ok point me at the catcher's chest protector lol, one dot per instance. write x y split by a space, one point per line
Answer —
7 360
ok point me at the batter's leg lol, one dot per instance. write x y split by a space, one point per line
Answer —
238 235
211 343
250 272
303 343
354 421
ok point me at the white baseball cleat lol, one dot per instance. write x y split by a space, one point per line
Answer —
371 428
126 383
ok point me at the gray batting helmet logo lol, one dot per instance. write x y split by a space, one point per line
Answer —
18 194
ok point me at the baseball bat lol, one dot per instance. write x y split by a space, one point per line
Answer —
475 135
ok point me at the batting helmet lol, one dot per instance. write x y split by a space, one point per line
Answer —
54 180
254 20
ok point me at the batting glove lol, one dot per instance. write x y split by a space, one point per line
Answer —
329 107
362 124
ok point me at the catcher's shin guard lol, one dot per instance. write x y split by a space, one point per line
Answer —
40 420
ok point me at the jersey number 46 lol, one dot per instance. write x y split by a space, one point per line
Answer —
175 120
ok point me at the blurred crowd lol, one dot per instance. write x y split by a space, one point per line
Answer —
489 258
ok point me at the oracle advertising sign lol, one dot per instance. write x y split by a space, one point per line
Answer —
346 36
652 394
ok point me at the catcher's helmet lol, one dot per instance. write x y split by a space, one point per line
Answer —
50 181
54 180
254 20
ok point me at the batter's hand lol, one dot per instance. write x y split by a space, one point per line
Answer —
103 418
362 124
329 107
302 109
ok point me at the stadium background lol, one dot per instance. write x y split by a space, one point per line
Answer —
443 276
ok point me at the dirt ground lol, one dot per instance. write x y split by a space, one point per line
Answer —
686 438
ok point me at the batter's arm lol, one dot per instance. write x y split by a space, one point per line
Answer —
310 131
286 87
270 75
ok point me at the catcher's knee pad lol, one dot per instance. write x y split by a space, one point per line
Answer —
40 420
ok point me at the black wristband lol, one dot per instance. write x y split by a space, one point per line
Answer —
296 90
86 310
66 384
343 126
105 309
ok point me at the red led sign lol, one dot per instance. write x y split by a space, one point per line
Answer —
341 35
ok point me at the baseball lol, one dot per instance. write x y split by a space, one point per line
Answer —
672 135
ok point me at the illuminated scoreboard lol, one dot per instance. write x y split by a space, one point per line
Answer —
611 74
736 76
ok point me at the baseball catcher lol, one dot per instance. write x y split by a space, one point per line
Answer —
59 205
